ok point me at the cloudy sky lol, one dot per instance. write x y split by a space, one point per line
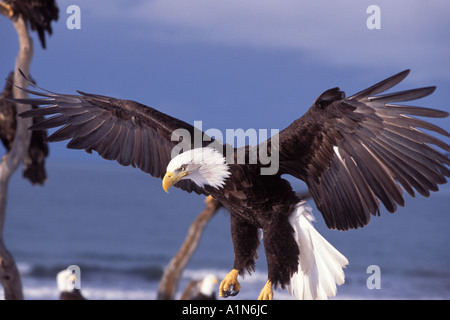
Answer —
239 63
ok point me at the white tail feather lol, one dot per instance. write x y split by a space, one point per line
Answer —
320 264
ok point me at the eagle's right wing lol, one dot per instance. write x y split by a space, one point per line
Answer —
121 130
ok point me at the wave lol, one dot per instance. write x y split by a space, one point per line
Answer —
141 283
89 271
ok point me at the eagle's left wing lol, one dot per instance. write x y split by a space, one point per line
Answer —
354 152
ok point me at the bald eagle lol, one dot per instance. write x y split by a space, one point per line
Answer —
353 154
34 158
201 289
65 280
37 13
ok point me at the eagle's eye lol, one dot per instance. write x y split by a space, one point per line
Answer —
183 167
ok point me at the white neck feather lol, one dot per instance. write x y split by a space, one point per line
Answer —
64 282
213 170
206 166
208 285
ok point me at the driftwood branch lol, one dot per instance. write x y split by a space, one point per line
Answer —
169 282
9 274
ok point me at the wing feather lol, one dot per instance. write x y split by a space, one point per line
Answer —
121 130
355 153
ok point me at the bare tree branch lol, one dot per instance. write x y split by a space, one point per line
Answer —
9 274
169 282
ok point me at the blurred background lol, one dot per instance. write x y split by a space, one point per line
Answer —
230 64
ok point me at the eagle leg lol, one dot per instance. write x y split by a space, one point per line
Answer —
230 285
266 292
6 9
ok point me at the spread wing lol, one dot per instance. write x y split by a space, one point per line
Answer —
121 130
355 152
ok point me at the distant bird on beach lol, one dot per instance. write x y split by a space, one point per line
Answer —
201 289
65 280
354 153
207 288
37 13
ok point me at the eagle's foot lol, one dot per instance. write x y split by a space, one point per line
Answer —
266 292
209 199
6 9
230 285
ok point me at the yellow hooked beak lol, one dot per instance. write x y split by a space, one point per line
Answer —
170 179
72 279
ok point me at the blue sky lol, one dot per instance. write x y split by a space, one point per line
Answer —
238 63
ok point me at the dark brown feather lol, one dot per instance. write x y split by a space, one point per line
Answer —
121 130
381 149
39 14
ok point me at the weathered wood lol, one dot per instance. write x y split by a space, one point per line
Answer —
169 282
9 274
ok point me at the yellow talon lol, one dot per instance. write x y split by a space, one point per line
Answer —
6 9
266 292
230 285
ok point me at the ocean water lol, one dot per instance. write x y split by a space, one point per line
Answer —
122 229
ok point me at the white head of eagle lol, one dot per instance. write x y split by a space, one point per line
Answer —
65 280
204 166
